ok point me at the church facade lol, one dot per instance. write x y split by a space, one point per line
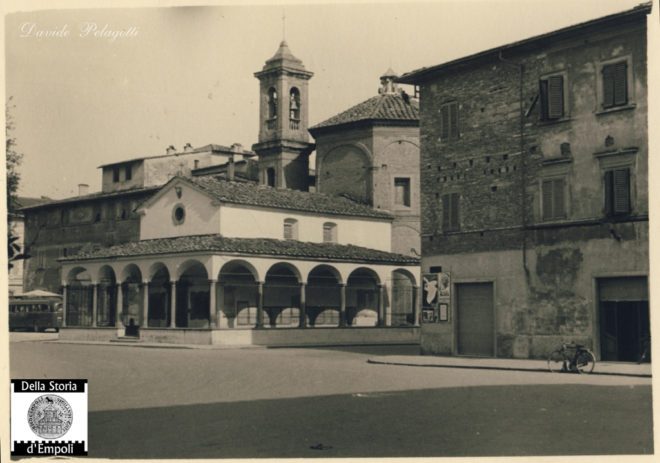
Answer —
227 260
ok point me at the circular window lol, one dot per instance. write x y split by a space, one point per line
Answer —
178 214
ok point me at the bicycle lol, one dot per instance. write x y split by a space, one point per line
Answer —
572 357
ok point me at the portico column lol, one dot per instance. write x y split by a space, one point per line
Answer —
173 304
381 306
120 306
260 305
222 318
95 303
302 323
64 304
145 304
342 305
213 314
415 301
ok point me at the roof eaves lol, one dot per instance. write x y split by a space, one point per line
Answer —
91 197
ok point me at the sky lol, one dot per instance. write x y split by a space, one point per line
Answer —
184 74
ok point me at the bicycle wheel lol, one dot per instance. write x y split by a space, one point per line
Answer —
556 361
585 362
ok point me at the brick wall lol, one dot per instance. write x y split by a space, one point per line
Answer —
47 238
544 288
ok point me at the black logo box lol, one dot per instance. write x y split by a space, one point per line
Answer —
50 385
48 448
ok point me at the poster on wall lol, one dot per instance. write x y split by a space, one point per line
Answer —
436 297
430 291
444 286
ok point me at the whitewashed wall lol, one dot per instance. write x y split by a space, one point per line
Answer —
202 217
244 222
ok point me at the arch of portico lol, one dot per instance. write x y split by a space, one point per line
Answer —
364 298
79 304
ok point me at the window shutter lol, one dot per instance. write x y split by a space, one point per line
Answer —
609 193
621 191
546 188
620 83
543 91
444 122
445 212
555 97
454 211
558 199
608 86
453 120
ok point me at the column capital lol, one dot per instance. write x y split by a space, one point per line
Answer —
213 280
174 281
146 282
65 284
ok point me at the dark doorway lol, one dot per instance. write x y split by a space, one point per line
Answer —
624 318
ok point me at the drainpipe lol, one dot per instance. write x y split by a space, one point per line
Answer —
523 163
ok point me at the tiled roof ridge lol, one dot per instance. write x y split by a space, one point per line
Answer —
373 108
253 246
279 198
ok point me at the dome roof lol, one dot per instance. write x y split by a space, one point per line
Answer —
385 107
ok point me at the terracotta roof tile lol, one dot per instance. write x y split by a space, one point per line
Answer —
385 107
265 196
246 246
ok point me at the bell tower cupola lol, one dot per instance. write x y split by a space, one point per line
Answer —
283 146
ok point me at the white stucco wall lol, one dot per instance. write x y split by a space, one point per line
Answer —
201 218
244 222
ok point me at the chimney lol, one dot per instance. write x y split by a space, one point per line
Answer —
170 149
188 148
83 189
236 148
231 168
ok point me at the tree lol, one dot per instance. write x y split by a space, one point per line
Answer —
13 177
13 158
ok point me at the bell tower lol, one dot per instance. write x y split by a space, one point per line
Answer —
283 146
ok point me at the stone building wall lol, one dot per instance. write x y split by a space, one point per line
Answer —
544 273
60 230
363 162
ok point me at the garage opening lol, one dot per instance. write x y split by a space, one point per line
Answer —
475 319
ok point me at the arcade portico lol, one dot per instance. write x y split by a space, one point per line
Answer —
202 296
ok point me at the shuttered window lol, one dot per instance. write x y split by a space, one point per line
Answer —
450 212
554 205
290 229
617 192
552 98
449 121
615 84
329 232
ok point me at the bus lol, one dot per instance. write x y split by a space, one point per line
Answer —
35 314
